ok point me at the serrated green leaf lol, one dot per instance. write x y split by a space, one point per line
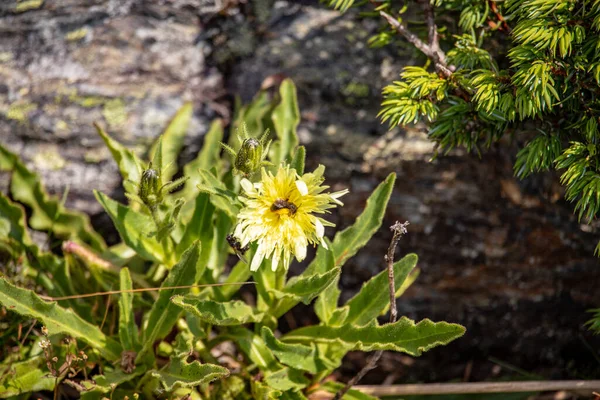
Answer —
207 158
347 242
226 313
286 379
403 336
57 319
372 298
12 221
129 164
25 377
302 289
133 227
47 212
180 374
172 141
105 383
286 117
299 356
164 314
128 330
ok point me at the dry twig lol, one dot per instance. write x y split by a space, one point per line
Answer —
399 229
479 387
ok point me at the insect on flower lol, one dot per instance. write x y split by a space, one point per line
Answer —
237 247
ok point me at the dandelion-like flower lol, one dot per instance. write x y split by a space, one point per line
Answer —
281 214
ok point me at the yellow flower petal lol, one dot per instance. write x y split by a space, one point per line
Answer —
280 215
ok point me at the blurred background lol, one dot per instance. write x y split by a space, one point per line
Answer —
505 258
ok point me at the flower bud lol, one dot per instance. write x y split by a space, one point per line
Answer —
150 185
250 156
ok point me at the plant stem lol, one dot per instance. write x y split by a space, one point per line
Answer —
399 229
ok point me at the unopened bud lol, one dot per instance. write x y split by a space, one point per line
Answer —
150 185
249 158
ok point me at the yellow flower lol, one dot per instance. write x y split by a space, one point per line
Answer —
281 214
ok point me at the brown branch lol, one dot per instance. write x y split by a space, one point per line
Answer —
478 387
399 229
431 50
432 32
504 25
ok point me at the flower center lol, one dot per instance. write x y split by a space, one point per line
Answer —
283 207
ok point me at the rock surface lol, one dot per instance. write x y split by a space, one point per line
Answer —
128 65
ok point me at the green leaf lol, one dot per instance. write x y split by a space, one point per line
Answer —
239 273
334 387
105 383
299 356
25 377
222 198
200 226
327 301
293 394
410 279
207 158
164 314
55 277
129 164
372 298
172 141
133 228
286 379
261 391
302 289
47 212
299 159
128 330
347 243
228 313
12 221
286 117
180 374
403 336
57 319
253 346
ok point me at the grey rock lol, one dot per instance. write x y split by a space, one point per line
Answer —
127 65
